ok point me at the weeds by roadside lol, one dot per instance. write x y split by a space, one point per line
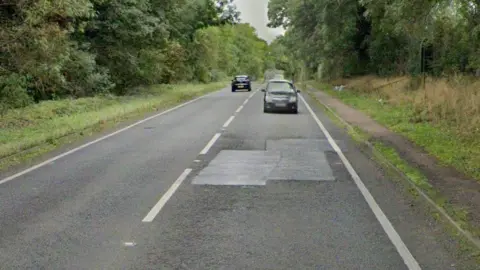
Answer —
450 132
454 217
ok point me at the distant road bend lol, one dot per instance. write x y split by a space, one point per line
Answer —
217 184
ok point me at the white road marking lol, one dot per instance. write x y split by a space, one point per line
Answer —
217 135
129 244
46 162
210 143
197 160
229 121
239 109
164 199
156 209
392 234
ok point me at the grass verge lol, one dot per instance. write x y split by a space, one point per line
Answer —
389 157
29 132
391 160
441 139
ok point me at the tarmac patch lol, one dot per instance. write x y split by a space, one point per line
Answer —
286 159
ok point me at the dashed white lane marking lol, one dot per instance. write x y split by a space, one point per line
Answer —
229 121
197 160
217 135
129 244
239 109
210 143
49 161
164 199
392 234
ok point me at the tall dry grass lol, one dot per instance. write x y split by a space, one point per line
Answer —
454 101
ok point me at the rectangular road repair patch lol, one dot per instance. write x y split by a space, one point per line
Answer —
244 167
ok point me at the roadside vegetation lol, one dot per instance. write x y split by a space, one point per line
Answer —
381 58
42 127
413 66
66 66
442 124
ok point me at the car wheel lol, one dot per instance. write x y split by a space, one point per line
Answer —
233 89
265 110
249 89
295 111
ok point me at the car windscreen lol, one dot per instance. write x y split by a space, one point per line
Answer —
280 88
242 78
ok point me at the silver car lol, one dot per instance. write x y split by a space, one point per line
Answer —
280 95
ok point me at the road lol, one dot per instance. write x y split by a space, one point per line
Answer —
218 184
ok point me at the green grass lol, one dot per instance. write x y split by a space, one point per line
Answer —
421 181
28 132
397 118
443 141
385 153
390 159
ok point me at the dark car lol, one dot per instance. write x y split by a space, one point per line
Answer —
241 82
280 95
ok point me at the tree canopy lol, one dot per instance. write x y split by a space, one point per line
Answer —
384 37
53 49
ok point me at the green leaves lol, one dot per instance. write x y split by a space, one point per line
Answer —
62 48
12 93
230 48
353 37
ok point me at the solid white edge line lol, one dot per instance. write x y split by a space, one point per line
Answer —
229 121
9 178
239 109
210 143
164 199
392 234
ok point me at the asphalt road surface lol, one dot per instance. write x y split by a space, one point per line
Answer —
218 184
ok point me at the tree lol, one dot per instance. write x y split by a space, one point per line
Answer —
56 49
385 37
228 12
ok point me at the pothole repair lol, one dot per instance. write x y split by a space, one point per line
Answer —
286 159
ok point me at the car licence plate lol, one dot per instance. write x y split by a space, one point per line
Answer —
280 104
240 86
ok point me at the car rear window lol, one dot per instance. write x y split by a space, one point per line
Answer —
280 87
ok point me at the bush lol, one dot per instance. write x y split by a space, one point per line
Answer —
83 77
13 92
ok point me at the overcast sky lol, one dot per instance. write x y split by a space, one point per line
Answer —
255 13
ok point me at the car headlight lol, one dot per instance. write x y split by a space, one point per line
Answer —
268 99
293 99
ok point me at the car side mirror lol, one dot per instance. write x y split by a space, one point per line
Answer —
263 90
298 90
